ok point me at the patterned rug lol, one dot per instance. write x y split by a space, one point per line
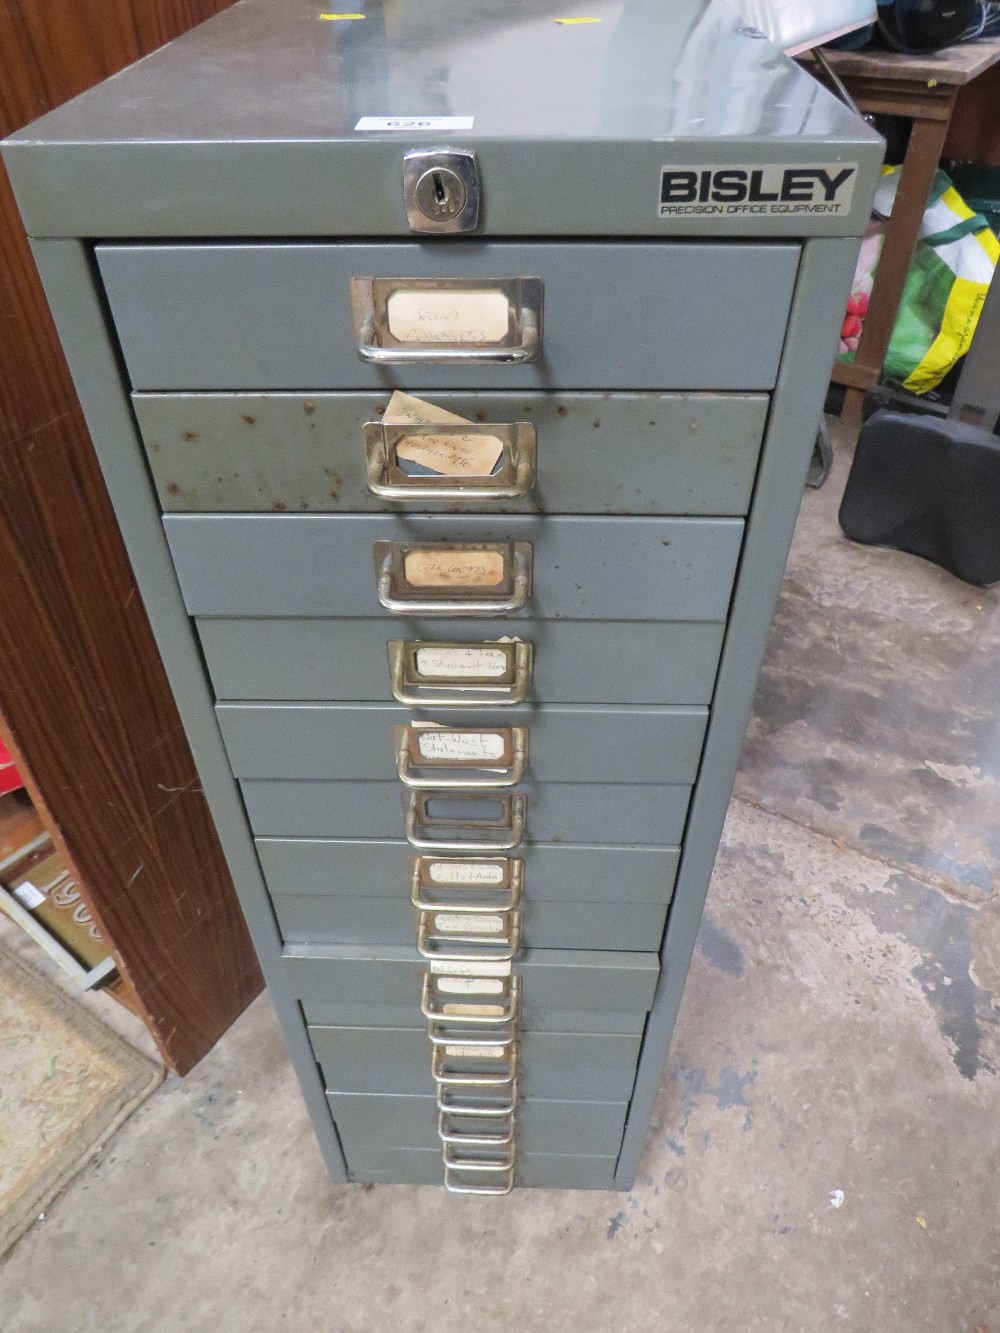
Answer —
66 1083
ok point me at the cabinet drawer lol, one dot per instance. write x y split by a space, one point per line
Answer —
673 315
310 919
574 661
559 979
368 1123
401 1166
552 872
325 1013
581 812
575 1066
565 743
583 568
641 453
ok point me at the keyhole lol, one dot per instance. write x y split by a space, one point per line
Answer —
440 194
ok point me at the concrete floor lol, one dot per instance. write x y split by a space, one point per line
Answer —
825 1152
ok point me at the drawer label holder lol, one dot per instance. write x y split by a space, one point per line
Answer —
462 321
466 759
453 578
458 675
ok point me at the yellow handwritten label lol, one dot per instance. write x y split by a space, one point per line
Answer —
448 317
403 409
334 18
465 455
453 569
568 22
472 455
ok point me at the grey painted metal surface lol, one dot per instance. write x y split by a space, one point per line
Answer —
583 568
309 918
204 140
665 662
577 1066
827 271
536 1018
565 743
554 873
247 127
280 316
686 454
402 1166
580 812
558 978
544 1125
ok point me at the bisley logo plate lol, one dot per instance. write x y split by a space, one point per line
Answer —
769 190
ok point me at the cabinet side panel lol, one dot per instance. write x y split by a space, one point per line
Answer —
821 293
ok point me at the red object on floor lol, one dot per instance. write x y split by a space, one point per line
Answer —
10 778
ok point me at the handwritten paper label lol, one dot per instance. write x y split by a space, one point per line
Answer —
464 872
473 1010
453 569
450 975
449 745
457 663
476 923
405 410
448 316
476 1052
452 455
456 455
29 896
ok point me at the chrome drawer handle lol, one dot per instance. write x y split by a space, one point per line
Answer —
504 680
498 1010
499 1169
499 947
419 825
475 884
453 1101
506 313
423 750
453 1186
504 1162
386 479
444 1034
428 579
443 1073
448 1133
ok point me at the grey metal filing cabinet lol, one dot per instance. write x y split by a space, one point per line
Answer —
468 729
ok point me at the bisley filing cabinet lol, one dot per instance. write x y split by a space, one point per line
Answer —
465 671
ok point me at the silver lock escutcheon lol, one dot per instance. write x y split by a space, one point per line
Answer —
441 190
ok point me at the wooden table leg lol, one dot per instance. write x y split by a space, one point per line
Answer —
916 178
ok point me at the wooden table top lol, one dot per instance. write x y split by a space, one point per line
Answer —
954 66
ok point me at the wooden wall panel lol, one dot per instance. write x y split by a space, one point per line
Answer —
82 688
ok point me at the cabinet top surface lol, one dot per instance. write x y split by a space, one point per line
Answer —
298 70
276 118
